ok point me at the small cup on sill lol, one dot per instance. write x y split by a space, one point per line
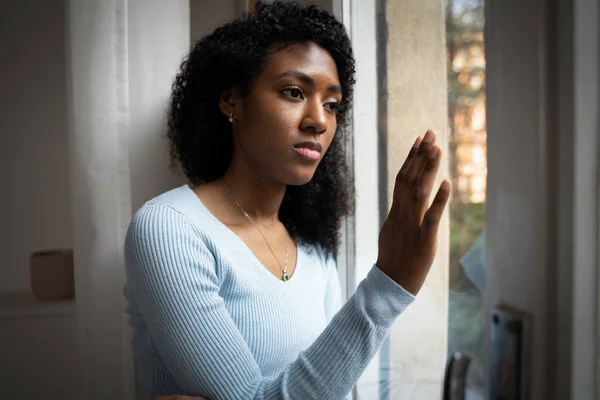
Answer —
52 276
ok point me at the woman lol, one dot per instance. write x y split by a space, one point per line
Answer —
231 280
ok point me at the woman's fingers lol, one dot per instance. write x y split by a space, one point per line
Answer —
424 186
408 238
403 171
432 218
412 175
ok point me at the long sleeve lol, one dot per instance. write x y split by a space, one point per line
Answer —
172 276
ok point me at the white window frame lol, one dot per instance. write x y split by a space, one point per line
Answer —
356 258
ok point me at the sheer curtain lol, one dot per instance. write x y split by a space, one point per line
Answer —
122 57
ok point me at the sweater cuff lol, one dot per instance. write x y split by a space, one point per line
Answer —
386 298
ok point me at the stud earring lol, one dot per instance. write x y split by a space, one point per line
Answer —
231 118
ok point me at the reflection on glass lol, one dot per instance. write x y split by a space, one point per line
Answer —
468 168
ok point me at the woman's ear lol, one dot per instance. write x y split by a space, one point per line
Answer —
227 103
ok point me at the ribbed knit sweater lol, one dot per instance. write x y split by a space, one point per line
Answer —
210 320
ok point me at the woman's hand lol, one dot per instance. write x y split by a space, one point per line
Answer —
179 397
408 238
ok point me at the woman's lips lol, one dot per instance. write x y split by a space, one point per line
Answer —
310 150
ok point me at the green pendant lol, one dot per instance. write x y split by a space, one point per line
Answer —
286 277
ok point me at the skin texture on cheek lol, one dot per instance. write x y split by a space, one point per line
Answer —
267 139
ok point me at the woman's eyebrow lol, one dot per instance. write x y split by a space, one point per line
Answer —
301 76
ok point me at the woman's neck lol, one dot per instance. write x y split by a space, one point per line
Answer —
261 198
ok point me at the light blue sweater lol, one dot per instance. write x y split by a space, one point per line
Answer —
210 320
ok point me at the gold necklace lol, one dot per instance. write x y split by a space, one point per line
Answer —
285 277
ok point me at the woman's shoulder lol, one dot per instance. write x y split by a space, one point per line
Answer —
180 199
164 242
177 210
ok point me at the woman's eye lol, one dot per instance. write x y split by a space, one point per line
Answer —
295 93
333 106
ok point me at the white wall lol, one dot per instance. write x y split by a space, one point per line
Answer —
327 4
38 356
207 15
31 368
34 206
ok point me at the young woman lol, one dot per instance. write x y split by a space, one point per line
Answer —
231 280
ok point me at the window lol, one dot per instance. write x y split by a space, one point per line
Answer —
421 65
468 169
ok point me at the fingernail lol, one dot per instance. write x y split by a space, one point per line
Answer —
434 152
417 142
428 137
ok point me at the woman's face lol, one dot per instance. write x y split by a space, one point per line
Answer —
284 126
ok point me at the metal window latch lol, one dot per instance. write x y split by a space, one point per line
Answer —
509 357
510 338
455 379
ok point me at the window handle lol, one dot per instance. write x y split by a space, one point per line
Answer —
455 379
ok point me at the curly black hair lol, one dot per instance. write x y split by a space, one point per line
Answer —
232 56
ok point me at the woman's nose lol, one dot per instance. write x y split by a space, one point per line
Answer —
315 119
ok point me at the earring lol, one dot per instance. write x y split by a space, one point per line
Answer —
231 118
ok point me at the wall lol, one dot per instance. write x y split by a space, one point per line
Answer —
326 4
32 368
206 15
38 351
34 205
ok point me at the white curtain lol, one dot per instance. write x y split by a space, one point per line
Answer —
123 55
